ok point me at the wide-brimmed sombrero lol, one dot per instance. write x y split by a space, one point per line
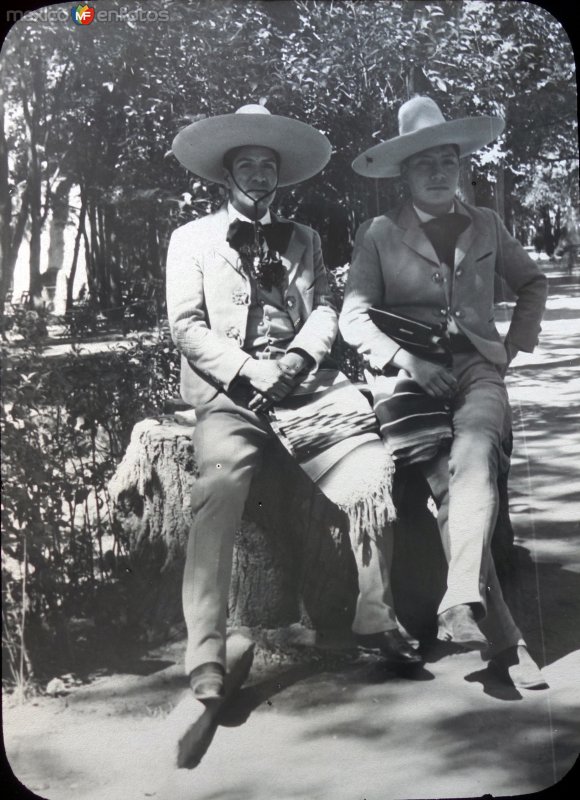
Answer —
201 146
422 125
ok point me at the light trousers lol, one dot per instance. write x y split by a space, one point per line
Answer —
463 482
228 442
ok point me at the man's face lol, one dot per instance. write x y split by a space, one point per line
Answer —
432 177
255 170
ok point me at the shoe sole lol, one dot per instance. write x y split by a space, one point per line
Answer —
444 635
389 659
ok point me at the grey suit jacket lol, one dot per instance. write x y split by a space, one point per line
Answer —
208 296
394 266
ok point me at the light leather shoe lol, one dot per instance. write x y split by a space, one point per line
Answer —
207 681
458 625
515 665
391 645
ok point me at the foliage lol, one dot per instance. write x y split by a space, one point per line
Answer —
29 324
65 424
105 101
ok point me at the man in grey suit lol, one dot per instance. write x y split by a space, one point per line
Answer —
436 259
251 312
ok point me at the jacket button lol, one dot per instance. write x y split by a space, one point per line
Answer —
443 312
459 314
437 277
458 273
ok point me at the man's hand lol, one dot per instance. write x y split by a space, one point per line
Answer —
295 365
511 352
267 378
272 384
434 379
274 380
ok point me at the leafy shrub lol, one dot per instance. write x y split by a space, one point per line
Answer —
29 324
65 423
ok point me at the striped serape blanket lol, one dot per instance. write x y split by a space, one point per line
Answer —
320 427
413 425
320 430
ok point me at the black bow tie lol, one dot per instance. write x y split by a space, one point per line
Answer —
248 239
277 235
443 233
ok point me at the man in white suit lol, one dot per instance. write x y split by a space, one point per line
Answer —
251 312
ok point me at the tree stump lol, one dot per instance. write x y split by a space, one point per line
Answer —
292 556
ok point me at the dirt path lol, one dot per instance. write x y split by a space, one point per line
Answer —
328 729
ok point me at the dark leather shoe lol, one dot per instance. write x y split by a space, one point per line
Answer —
515 665
458 625
207 681
392 646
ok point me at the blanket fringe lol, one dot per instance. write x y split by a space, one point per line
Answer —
371 508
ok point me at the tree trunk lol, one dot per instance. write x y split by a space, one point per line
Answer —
58 223
31 113
5 210
500 191
292 557
508 194
467 181
113 263
547 231
73 270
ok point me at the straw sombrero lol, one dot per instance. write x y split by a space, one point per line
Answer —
201 146
422 125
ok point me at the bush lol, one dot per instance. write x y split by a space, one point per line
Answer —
65 424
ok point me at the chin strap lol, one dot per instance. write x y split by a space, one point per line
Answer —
257 255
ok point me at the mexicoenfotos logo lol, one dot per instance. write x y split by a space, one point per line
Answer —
82 15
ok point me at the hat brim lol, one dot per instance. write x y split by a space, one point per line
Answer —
469 134
201 146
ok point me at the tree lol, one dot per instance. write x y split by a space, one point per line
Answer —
111 98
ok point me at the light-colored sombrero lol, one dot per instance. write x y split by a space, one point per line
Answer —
422 125
201 146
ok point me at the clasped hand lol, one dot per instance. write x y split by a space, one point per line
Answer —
273 380
435 379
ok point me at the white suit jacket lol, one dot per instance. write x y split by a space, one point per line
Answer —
208 296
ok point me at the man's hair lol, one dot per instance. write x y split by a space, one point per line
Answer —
230 156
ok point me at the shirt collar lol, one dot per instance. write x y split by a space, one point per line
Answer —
424 217
233 214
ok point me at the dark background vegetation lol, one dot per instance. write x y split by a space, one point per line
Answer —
90 112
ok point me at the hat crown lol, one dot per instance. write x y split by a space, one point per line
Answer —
252 108
419 113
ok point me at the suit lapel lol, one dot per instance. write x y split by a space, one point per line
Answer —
466 238
293 255
221 247
414 235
